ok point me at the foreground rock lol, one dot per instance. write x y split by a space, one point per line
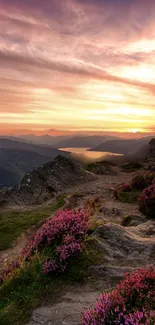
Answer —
45 182
68 311
124 250
133 220
124 247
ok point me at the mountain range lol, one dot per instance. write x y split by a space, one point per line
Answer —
79 141
129 146
19 157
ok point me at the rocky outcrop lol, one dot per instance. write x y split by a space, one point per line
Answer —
133 220
45 182
124 247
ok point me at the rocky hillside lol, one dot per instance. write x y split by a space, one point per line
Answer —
113 245
17 158
45 182
128 146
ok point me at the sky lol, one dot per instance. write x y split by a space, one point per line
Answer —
77 66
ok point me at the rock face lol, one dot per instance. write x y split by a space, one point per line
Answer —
124 247
133 220
66 312
45 182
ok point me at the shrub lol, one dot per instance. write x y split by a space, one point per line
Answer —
147 201
122 188
149 178
60 238
123 193
131 166
131 303
138 182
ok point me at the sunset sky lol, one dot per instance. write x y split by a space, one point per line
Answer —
77 66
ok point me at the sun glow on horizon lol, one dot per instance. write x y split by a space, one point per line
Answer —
77 66
135 130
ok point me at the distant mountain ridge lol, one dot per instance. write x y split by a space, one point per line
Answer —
44 150
70 141
127 146
84 141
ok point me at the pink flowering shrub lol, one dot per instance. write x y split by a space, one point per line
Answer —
131 303
147 201
61 238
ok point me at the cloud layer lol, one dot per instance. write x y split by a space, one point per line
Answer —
76 65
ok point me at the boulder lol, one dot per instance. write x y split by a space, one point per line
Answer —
145 230
133 220
122 247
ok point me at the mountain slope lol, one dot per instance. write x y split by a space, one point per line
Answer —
15 163
17 158
128 146
45 139
44 150
84 141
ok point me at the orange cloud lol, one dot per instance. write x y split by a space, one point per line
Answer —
71 63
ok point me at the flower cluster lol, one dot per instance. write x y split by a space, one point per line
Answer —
131 303
138 183
147 201
62 236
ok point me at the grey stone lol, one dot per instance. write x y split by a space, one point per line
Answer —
121 246
44 182
133 220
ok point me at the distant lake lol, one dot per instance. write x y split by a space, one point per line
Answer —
82 153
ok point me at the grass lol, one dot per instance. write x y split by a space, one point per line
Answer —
21 294
14 223
131 167
129 197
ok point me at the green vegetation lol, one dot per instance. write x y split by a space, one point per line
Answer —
14 223
131 167
99 164
129 197
22 293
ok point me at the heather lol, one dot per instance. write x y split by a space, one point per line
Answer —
61 238
61 251
131 303
130 192
147 201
